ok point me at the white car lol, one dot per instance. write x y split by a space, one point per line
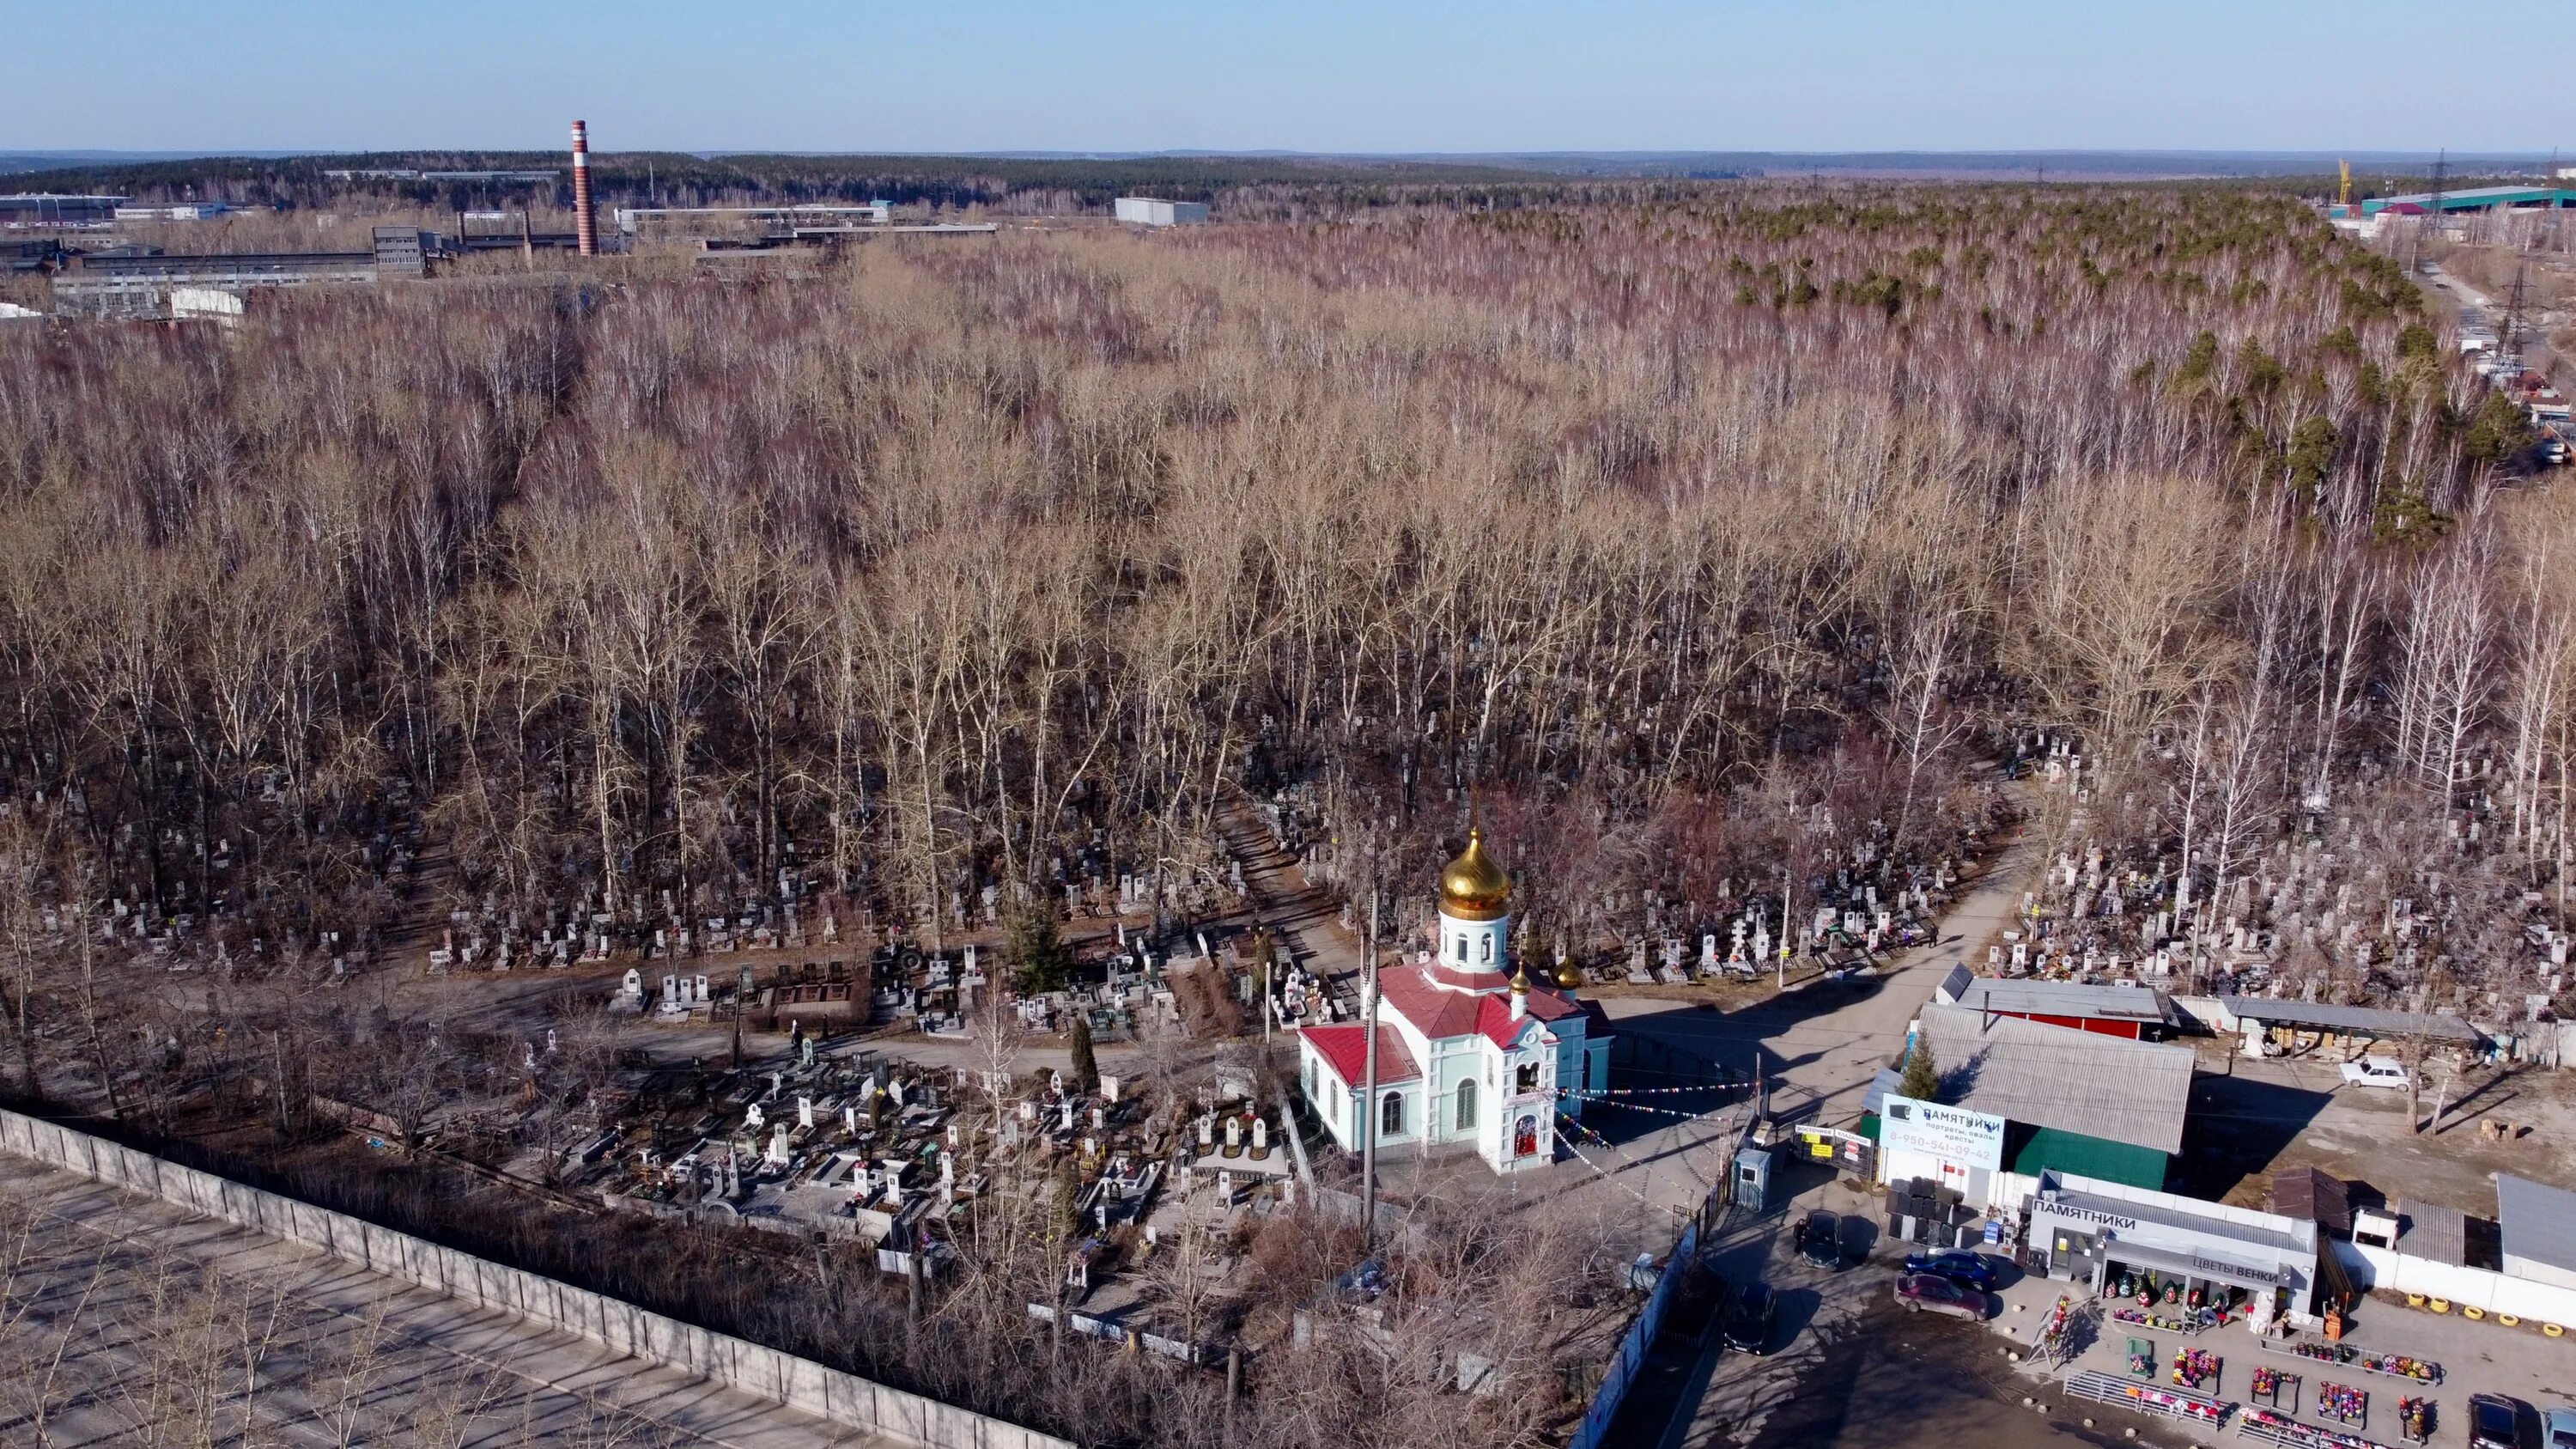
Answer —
2376 1072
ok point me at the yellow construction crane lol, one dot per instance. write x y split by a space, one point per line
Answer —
2345 197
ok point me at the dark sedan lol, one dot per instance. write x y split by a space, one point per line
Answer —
1749 1319
1959 1267
1930 1291
1820 1240
2496 1422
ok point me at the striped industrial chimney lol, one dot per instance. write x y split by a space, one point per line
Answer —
585 226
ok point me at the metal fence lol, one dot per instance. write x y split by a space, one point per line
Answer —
1593 1432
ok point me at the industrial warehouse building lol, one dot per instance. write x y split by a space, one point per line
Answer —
44 208
2022 1098
1146 211
2475 198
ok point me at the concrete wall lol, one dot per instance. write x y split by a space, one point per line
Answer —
781 1378
2464 1287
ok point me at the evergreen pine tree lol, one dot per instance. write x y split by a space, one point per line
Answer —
1039 960
1922 1079
1086 1068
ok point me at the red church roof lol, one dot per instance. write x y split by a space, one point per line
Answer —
1344 1048
1438 1013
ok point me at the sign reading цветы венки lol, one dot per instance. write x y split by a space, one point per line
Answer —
1953 1134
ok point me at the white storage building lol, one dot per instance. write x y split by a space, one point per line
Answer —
1146 211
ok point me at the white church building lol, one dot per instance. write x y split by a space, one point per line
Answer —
1469 1051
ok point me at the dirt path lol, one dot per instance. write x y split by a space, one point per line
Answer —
1302 916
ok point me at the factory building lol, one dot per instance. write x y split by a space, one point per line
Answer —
2476 198
1146 211
770 221
181 211
147 285
42 208
403 173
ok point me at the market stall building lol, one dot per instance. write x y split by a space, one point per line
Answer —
2136 1013
2537 1225
2125 1241
2020 1098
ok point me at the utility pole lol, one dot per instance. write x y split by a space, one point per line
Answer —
1368 1105
2433 219
2508 336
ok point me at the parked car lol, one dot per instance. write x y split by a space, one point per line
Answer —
1749 1318
1820 1240
2376 1072
2561 1429
1922 1291
2496 1422
1959 1267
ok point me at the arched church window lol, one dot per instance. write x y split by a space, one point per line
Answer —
1467 1105
1462 950
1310 1079
1485 948
1391 1116
1525 1077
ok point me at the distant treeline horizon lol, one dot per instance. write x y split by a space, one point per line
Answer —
962 180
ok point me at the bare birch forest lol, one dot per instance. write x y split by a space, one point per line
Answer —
1680 534
934 569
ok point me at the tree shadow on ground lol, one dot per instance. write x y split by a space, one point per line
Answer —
2238 1128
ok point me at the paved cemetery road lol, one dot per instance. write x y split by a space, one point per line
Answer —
157 1303
1820 1044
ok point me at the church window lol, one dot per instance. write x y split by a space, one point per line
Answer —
1310 1079
1485 948
1391 1117
1467 1105
1526 1078
1462 950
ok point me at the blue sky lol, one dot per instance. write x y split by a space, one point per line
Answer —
1325 75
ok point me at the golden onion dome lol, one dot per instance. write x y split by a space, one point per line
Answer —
1566 976
1473 887
1520 982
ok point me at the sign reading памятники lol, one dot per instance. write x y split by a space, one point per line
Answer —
1952 1134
